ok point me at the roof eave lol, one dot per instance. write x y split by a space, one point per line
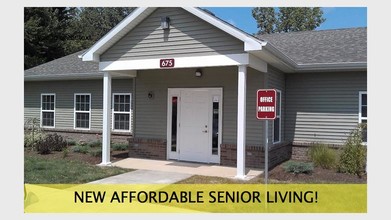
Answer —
68 76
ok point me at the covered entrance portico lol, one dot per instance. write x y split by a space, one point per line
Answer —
198 136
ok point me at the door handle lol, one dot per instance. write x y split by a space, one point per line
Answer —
205 131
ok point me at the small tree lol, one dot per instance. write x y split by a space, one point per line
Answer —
353 156
287 19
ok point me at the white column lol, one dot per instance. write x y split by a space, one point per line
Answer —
241 129
106 119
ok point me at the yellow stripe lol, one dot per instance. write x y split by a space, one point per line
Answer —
190 198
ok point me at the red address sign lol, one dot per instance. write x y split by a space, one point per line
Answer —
266 104
167 63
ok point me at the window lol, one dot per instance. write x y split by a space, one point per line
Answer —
362 115
48 105
174 118
215 126
277 121
82 111
121 111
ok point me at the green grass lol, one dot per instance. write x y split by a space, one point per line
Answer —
55 171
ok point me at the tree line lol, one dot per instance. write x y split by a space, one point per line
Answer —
51 33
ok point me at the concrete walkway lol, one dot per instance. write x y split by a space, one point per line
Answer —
145 177
184 168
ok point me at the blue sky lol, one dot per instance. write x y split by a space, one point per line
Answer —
336 17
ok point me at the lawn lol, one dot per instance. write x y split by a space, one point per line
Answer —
42 169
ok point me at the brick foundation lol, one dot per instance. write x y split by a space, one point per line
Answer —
300 153
90 136
255 156
148 148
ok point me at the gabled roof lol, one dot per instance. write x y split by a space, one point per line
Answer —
251 43
339 49
320 47
68 67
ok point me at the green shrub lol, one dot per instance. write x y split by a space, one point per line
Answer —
81 149
33 133
32 139
57 142
51 142
322 156
353 156
119 146
71 142
298 167
96 152
95 144
65 152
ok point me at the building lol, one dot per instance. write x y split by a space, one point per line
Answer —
181 84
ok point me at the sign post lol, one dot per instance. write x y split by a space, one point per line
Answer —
266 110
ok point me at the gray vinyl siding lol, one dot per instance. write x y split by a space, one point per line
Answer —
65 90
276 80
188 36
322 107
151 114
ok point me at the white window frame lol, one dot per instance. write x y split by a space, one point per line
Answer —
78 111
114 112
360 117
54 110
278 115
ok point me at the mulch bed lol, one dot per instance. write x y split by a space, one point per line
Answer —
319 175
87 158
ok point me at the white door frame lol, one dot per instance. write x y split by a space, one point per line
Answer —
214 93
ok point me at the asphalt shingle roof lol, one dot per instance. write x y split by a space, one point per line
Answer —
305 47
70 64
325 46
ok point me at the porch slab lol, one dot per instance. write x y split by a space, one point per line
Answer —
185 167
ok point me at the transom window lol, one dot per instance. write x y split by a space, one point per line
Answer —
363 105
121 111
48 105
82 110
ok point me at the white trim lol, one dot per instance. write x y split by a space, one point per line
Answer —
360 117
93 54
106 131
113 112
54 111
257 63
170 94
180 62
278 115
241 123
78 111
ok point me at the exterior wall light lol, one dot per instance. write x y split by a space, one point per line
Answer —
150 95
165 23
198 73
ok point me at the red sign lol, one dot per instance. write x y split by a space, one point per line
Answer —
266 104
167 63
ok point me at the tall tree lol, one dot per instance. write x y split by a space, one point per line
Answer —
50 33
287 19
266 19
43 34
90 24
